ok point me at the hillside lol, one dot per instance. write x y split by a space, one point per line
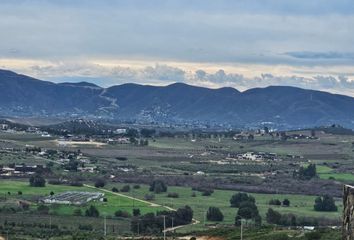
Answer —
288 107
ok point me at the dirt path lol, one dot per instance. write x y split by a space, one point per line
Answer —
126 196
151 204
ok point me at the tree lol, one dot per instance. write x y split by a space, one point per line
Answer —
158 186
147 133
286 202
325 204
125 188
273 217
51 193
37 181
275 202
247 210
136 212
306 173
238 198
92 212
185 214
122 214
100 183
214 214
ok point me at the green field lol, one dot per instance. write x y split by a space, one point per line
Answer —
325 172
108 208
300 205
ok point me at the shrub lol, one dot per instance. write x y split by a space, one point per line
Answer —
275 202
136 186
100 183
149 197
136 212
92 212
122 214
158 186
114 189
273 217
173 195
125 188
207 192
286 202
214 214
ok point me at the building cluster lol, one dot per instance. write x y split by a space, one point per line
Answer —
20 170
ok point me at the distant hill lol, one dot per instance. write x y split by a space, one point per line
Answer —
288 107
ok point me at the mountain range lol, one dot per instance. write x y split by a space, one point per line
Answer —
289 107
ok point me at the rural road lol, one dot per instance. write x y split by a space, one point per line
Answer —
194 221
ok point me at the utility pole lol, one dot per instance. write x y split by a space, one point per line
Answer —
172 229
241 229
138 227
204 217
164 227
105 225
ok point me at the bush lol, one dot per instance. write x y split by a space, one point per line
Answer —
214 214
286 202
275 202
194 194
149 197
100 183
125 188
273 217
313 236
136 212
173 195
122 214
37 181
136 186
92 212
158 186
207 192
114 189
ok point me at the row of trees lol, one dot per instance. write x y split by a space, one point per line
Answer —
151 223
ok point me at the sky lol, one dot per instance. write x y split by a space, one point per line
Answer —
242 44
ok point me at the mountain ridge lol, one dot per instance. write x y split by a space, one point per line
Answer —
285 106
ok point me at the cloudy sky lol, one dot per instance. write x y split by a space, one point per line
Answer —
243 44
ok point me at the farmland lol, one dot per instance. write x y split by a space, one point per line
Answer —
265 167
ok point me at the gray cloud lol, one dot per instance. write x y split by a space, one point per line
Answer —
321 55
179 30
161 74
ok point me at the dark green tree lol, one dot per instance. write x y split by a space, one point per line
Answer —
158 186
273 217
37 181
214 214
238 198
